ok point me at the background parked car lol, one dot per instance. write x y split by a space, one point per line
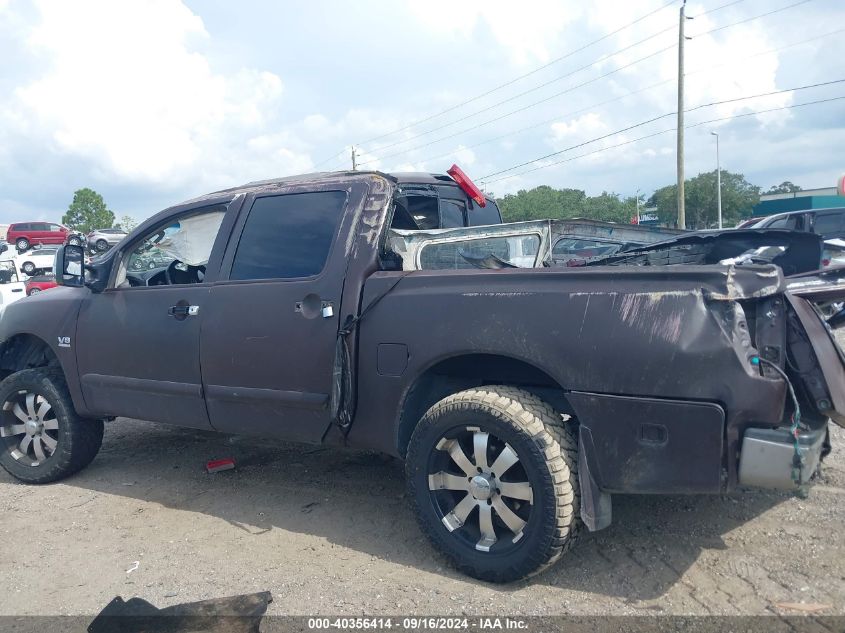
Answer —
102 240
149 260
34 261
39 283
829 223
24 235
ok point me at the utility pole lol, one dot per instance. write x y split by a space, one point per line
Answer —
354 161
638 205
718 180
682 217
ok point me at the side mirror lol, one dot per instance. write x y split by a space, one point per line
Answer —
4 248
69 266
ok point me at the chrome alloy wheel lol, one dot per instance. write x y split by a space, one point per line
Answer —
29 428
485 500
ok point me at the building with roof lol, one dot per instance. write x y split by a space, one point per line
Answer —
771 203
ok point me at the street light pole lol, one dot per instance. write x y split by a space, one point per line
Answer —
718 180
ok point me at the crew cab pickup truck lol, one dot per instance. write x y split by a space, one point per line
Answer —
317 309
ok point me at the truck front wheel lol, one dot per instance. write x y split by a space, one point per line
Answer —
42 439
492 474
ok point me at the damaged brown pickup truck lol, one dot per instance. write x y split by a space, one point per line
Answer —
521 391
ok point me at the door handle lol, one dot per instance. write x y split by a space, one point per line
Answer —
183 311
312 306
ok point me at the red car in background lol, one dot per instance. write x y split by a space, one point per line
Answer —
39 283
26 234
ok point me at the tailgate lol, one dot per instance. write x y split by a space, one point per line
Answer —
812 345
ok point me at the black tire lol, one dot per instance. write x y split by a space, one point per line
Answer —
22 244
547 454
74 241
34 291
102 246
28 268
75 440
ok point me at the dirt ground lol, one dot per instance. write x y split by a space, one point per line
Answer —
329 532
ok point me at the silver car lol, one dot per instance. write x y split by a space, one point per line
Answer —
102 240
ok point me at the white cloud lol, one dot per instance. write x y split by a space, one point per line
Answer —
584 127
515 25
127 89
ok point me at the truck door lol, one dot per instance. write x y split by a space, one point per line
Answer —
138 342
268 336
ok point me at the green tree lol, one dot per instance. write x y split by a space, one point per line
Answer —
545 202
541 203
126 224
87 212
738 198
784 187
610 207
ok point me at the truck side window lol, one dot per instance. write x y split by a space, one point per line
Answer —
828 224
289 236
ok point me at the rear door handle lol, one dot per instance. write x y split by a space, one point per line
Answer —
183 311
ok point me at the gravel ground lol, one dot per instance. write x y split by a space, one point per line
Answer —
329 532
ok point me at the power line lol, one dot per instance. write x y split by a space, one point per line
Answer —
619 98
724 6
666 131
535 89
521 77
599 104
663 116
330 158
557 94
541 123
522 109
762 15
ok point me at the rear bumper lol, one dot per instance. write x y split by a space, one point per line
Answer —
767 458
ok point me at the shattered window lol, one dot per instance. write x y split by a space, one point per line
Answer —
571 247
187 240
425 211
520 251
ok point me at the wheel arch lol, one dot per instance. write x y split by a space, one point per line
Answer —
445 376
26 351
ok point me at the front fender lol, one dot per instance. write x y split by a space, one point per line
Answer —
50 317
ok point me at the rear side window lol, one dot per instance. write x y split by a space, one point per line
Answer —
288 236
780 223
828 224
23 226
483 216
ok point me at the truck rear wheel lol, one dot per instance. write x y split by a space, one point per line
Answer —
492 474
42 439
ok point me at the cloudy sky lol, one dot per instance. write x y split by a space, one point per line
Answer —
154 101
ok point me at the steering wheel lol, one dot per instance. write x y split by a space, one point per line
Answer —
174 275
